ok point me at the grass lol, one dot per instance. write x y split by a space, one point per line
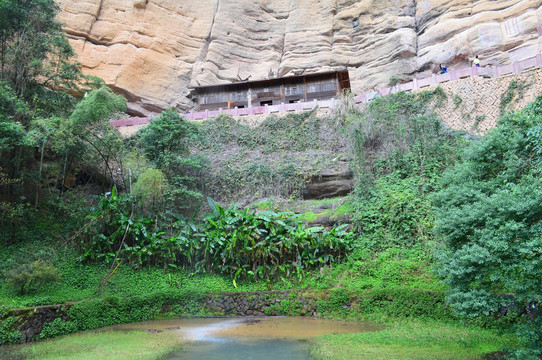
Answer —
81 281
109 345
408 339
362 270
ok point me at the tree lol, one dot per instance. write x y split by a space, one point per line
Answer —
35 59
99 145
167 135
490 214
34 52
166 144
14 147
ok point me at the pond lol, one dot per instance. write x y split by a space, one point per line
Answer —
247 338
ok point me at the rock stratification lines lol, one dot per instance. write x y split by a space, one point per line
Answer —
152 50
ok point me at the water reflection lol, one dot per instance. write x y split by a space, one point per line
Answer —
262 338
243 349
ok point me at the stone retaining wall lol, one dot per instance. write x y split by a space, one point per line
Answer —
474 104
272 303
30 321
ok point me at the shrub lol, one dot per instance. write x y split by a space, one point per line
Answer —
29 277
7 334
265 245
149 190
57 327
401 150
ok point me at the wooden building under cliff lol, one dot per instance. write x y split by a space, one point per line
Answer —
291 89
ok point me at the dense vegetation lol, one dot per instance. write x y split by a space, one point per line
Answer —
490 214
131 222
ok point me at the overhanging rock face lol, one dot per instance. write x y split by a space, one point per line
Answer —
329 183
153 50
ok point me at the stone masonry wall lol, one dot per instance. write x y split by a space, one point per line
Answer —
272 303
474 104
30 321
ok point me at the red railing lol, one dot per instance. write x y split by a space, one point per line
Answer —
454 74
255 110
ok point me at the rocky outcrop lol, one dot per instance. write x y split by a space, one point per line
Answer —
152 51
329 183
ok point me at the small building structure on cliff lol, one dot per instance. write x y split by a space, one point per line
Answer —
287 90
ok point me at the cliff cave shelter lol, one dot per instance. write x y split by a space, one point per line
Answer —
274 91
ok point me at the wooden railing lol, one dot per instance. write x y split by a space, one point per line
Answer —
454 74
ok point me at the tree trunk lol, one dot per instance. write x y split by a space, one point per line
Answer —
39 174
64 175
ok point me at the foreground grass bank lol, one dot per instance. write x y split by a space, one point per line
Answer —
410 339
110 345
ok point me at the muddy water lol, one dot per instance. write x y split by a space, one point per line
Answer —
247 338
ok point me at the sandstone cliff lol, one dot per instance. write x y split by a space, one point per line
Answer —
153 50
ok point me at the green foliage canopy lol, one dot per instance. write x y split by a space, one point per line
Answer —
166 135
490 214
28 277
92 142
34 52
166 144
97 106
